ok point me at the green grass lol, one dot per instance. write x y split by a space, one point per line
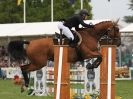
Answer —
124 89
10 91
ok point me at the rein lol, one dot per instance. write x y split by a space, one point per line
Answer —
106 35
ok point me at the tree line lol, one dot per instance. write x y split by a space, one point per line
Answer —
39 11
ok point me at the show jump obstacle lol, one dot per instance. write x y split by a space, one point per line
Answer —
61 72
107 72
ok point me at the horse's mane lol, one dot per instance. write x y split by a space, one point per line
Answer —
100 24
106 24
103 22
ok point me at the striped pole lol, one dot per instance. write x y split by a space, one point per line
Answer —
61 72
107 72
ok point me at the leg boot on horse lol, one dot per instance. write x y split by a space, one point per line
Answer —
95 64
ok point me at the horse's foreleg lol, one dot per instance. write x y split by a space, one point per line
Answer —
97 62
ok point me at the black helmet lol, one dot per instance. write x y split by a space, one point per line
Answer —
84 12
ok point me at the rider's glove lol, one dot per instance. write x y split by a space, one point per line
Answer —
92 26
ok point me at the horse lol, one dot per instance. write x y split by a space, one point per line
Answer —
40 51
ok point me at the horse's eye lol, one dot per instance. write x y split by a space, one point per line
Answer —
117 30
108 29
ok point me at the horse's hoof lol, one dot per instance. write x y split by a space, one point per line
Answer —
89 66
23 88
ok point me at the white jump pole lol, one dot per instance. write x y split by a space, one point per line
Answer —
107 72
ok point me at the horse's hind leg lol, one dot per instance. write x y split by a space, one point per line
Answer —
25 76
26 80
25 70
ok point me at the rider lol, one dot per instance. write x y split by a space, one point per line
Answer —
74 21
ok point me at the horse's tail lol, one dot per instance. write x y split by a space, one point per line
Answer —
16 49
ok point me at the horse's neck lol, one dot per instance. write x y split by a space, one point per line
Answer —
103 26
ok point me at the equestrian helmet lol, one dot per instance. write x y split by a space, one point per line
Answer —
84 12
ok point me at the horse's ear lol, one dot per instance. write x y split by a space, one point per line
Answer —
116 22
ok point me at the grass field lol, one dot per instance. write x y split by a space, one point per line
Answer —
124 89
10 91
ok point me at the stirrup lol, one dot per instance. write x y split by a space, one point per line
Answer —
57 35
65 41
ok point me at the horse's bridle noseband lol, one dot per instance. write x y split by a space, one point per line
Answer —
107 35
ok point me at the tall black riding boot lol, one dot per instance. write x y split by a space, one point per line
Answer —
72 43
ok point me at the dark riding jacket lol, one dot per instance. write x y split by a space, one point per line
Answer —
74 21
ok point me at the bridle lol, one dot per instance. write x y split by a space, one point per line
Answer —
106 35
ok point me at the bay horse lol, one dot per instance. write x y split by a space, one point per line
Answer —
41 50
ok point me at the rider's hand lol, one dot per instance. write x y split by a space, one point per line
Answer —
92 26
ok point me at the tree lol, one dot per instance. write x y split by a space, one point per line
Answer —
9 12
129 19
37 11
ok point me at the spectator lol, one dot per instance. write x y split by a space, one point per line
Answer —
3 74
3 51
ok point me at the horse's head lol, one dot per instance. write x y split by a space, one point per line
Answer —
110 31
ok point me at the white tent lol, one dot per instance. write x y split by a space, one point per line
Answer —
32 29
27 29
127 31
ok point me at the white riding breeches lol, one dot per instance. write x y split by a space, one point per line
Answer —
65 30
